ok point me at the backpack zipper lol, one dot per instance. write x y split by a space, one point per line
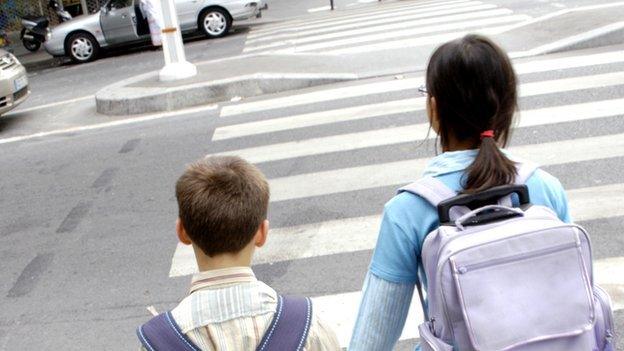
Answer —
607 313
518 257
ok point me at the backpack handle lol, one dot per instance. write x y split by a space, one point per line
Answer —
487 197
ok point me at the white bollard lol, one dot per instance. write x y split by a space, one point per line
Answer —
176 66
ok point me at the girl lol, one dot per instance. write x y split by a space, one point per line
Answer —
471 100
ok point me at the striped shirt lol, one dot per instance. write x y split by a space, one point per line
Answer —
229 309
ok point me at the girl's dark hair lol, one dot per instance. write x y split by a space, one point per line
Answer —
474 86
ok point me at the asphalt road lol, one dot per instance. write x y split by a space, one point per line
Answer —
87 227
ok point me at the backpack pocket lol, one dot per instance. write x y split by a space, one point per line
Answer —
429 342
523 290
604 320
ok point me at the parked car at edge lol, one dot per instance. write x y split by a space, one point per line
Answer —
116 25
13 82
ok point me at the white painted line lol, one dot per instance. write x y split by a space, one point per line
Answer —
567 62
359 17
411 42
340 311
563 43
121 122
321 96
416 133
373 110
410 32
571 84
535 66
50 105
398 27
387 7
424 18
319 118
319 9
403 172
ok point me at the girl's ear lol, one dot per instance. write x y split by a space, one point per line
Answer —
432 113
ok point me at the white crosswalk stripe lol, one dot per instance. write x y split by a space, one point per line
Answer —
377 28
410 83
576 97
355 28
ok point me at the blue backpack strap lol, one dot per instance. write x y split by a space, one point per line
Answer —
290 327
162 333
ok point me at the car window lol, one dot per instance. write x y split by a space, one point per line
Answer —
119 4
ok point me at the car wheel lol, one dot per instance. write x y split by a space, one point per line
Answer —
215 22
31 45
82 47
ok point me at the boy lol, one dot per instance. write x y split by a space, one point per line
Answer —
223 203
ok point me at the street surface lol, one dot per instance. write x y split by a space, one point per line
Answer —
87 237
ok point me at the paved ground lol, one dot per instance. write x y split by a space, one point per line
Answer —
87 231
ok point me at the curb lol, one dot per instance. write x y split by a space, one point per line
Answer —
43 64
126 98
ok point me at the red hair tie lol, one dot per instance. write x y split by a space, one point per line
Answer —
487 134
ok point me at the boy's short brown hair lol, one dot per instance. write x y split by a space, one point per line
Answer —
222 201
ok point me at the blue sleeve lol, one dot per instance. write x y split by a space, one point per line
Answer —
382 314
397 249
546 190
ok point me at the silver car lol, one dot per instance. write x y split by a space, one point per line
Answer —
13 82
116 25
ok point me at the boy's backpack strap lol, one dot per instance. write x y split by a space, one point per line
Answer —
290 327
162 333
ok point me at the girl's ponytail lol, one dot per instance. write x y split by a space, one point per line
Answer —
490 168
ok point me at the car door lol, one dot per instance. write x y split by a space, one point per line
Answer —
118 19
187 11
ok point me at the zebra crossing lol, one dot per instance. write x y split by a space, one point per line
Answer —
309 142
383 26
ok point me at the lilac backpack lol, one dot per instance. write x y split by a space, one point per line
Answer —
508 278
288 330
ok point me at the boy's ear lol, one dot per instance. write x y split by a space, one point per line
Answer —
262 233
182 235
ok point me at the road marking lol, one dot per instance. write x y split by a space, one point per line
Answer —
120 122
319 9
423 19
566 42
395 29
340 311
410 83
360 233
319 118
416 133
407 105
322 96
358 17
560 63
403 172
410 42
53 104
411 33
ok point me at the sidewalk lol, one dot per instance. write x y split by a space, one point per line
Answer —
31 60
